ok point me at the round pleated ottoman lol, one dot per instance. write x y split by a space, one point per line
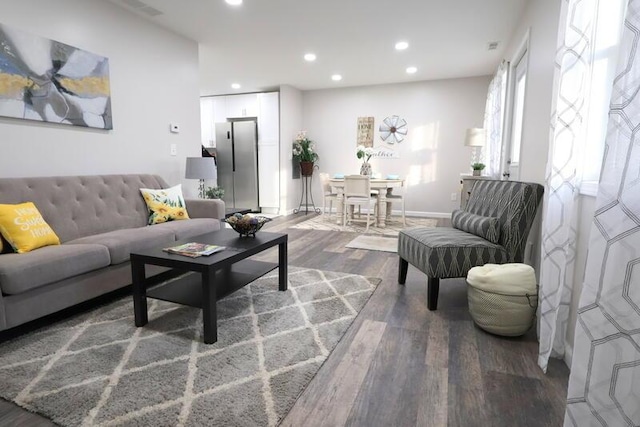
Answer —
503 298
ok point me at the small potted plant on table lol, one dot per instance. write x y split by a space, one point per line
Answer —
477 168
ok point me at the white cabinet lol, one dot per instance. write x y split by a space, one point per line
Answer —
242 105
269 149
268 118
219 113
207 135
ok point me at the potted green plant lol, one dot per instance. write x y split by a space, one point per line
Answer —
304 152
365 154
477 168
214 193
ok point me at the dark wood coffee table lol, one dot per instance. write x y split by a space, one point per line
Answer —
220 274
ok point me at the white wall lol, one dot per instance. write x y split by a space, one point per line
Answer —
432 156
290 125
154 82
540 18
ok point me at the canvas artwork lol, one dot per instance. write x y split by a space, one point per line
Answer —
49 81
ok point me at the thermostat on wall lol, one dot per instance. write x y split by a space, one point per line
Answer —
174 127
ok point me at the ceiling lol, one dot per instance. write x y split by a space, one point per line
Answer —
261 43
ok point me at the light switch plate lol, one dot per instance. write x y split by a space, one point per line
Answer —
173 150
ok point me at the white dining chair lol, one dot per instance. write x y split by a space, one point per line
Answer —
357 192
327 193
396 198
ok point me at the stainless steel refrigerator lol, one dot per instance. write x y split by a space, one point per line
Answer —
237 161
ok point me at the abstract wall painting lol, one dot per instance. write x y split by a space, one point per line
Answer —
49 81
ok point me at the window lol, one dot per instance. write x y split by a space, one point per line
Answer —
515 111
608 33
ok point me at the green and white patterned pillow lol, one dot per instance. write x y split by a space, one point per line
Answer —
482 226
164 205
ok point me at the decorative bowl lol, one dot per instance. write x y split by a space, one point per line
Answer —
246 225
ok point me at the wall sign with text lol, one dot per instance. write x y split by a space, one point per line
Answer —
365 131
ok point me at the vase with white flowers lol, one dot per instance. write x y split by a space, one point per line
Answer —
304 152
365 153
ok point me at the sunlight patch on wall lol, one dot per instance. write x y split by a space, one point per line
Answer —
423 146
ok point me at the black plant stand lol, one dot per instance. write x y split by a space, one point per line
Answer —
307 181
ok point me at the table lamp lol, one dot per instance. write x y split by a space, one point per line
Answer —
475 138
201 168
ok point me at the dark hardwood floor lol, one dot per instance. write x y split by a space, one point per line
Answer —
400 364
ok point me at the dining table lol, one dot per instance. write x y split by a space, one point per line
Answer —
383 186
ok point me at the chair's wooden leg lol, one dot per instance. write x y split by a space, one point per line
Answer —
402 271
433 287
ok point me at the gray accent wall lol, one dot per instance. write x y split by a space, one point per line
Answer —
154 82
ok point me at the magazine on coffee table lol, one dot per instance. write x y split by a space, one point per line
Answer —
194 249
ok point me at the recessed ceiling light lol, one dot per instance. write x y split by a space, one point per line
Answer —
234 2
402 45
411 70
235 86
336 77
310 57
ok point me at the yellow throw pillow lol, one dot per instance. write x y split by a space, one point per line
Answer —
165 205
24 228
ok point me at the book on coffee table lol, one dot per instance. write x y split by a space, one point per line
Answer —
194 249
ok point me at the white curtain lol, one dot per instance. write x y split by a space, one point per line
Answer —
494 120
604 386
560 215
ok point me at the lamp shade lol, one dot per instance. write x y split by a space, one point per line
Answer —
201 168
475 137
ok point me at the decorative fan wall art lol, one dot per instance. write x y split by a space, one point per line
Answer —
393 129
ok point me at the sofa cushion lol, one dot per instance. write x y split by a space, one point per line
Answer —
24 228
483 226
165 204
191 228
445 252
121 243
22 272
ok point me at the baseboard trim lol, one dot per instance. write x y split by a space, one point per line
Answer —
421 214
417 214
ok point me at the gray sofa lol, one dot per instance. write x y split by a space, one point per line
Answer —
99 220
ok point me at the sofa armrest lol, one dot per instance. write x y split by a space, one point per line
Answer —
205 208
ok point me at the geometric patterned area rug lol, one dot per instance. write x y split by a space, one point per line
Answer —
98 369
393 227
374 243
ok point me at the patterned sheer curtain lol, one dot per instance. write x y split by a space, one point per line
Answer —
604 386
560 216
494 120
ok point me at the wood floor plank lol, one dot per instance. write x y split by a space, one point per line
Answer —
388 394
331 406
466 403
12 415
433 408
512 399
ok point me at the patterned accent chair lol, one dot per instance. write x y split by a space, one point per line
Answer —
444 252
